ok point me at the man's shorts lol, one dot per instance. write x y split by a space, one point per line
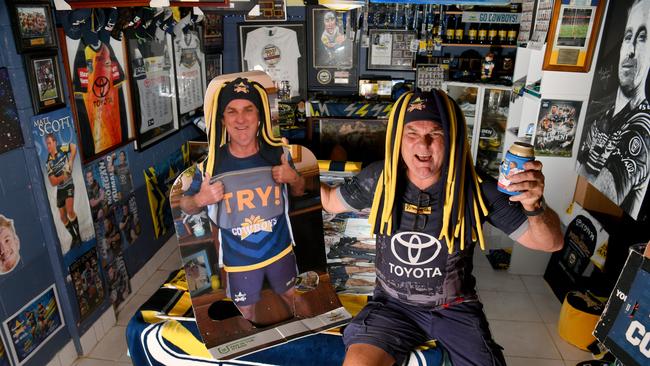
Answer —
63 194
244 288
398 328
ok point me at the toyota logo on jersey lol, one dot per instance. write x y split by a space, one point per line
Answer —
410 248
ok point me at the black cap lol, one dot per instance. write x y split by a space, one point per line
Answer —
422 107
239 88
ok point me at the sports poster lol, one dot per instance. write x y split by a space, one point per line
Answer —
118 281
257 214
556 127
33 325
11 136
4 356
190 74
10 245
100 89
112 203
159 179
56 145
153 82
87 283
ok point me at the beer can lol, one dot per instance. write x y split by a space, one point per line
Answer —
513 163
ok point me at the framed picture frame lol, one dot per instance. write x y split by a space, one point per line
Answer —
212 31
189 65
572 35
390 49
333 52
269 11
33 25
44 81
153 88
197 266
213 66
278 50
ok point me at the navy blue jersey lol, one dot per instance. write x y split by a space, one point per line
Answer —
413 264
57 165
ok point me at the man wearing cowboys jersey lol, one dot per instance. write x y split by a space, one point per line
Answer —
425 289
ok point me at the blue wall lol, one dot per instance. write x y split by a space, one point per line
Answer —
23 199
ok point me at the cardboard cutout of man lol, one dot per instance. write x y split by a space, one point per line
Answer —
243 184
428 206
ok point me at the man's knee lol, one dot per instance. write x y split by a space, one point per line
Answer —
367 354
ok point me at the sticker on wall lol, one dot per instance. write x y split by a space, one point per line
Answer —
87 283
118 281
556 127
56 145
10 135
33 325
9 245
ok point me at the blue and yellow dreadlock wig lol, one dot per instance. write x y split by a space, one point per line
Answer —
463 206
270 147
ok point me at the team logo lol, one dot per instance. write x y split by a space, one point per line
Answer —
415 244
101 86
417 104
253 225
324 77
635 145
239 297
271 54
241 88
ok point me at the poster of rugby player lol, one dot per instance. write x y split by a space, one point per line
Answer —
56 145
556 127
613 153
250 230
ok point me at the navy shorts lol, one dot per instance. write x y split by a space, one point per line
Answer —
62 194
244 288
398 328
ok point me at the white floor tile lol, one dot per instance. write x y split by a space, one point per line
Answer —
108 319
570 363
491 280
54 361
568 351
172 263
548 307
522 361
537 285
480 260
85 361
112 347
524 339
88 341
509 306
130 308
153 283
68 354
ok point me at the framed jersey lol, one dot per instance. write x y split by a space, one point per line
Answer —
99 89
153 87
189 62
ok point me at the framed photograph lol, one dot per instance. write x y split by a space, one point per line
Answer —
268 11
44 81
189 62
33 325
278 50
197 266
212 31
33 25
87 283
390 50
99 88
153 88
557 124
572 35
333 50
213 66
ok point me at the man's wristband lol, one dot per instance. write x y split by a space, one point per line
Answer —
536 212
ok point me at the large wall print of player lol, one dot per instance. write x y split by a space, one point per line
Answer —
189 61
259 244
556 127
87 283
336 39
33 325
153 82
96 68
56 145
613 154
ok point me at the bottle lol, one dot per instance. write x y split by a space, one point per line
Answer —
459 32
482 33
512 35
492 33
472 34
502 34
451 31
513 163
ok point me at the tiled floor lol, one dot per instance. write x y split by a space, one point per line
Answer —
522 312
